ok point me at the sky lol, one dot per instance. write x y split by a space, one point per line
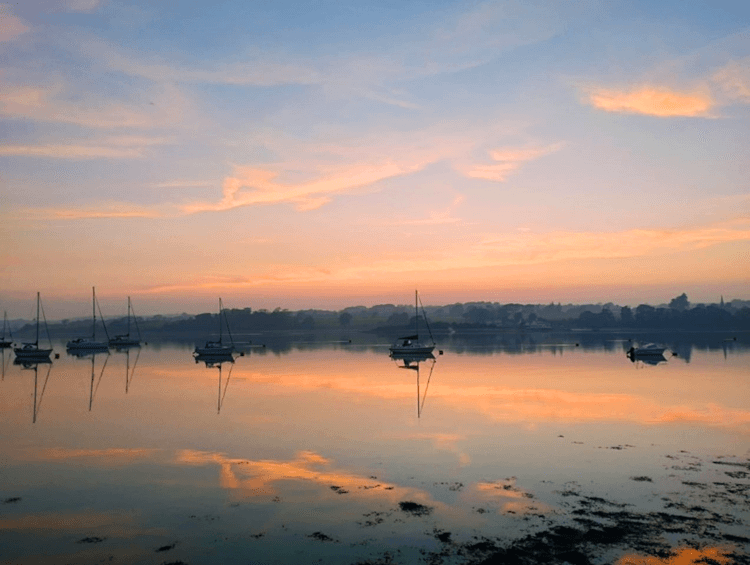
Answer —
326 154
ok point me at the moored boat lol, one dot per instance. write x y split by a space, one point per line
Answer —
90 343
31 350
124 340
410 345
217 348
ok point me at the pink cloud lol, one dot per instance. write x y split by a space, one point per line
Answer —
10 26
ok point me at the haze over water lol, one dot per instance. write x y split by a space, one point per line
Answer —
335 453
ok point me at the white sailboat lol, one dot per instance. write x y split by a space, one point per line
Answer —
5 343
410 345
217 348
124 340
90 343
32 351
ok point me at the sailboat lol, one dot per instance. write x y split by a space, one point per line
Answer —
410 345
124 340
217 348
90 343
5 343
32 350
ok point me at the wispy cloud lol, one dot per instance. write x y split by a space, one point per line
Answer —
184 183
47 104
253 186
508 160
10 26
75 152
492 252
118 147
102 211
435 217
734 80
653 101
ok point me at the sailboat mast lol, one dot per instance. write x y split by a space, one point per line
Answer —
220 327
416 315
93 309
128 316
37 321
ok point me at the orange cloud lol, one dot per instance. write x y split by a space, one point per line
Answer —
652 101
251 186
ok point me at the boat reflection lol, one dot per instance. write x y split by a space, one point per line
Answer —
650 359
215 361
412 361
33 365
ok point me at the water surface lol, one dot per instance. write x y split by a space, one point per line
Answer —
334 453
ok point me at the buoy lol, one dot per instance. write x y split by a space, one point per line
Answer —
242 353
578 344
440 351
57 355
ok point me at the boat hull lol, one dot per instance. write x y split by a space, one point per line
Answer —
35 353
213 351
86 345
126 342
406 350
5 344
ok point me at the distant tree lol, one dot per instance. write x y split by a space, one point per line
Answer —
626 317
345 319
680 303
478 315
456 310
398 319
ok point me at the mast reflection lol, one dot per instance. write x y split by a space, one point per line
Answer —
5 362
92 355
412 362
128 373
215 361
33 365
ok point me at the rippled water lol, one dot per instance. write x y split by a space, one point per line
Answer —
335 453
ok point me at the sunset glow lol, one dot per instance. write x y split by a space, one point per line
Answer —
324 156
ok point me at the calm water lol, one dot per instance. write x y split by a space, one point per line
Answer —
334 453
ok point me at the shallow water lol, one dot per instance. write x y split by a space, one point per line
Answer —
334 453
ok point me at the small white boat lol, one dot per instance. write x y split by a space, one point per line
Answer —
217 348
32 351
90 343
410 345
